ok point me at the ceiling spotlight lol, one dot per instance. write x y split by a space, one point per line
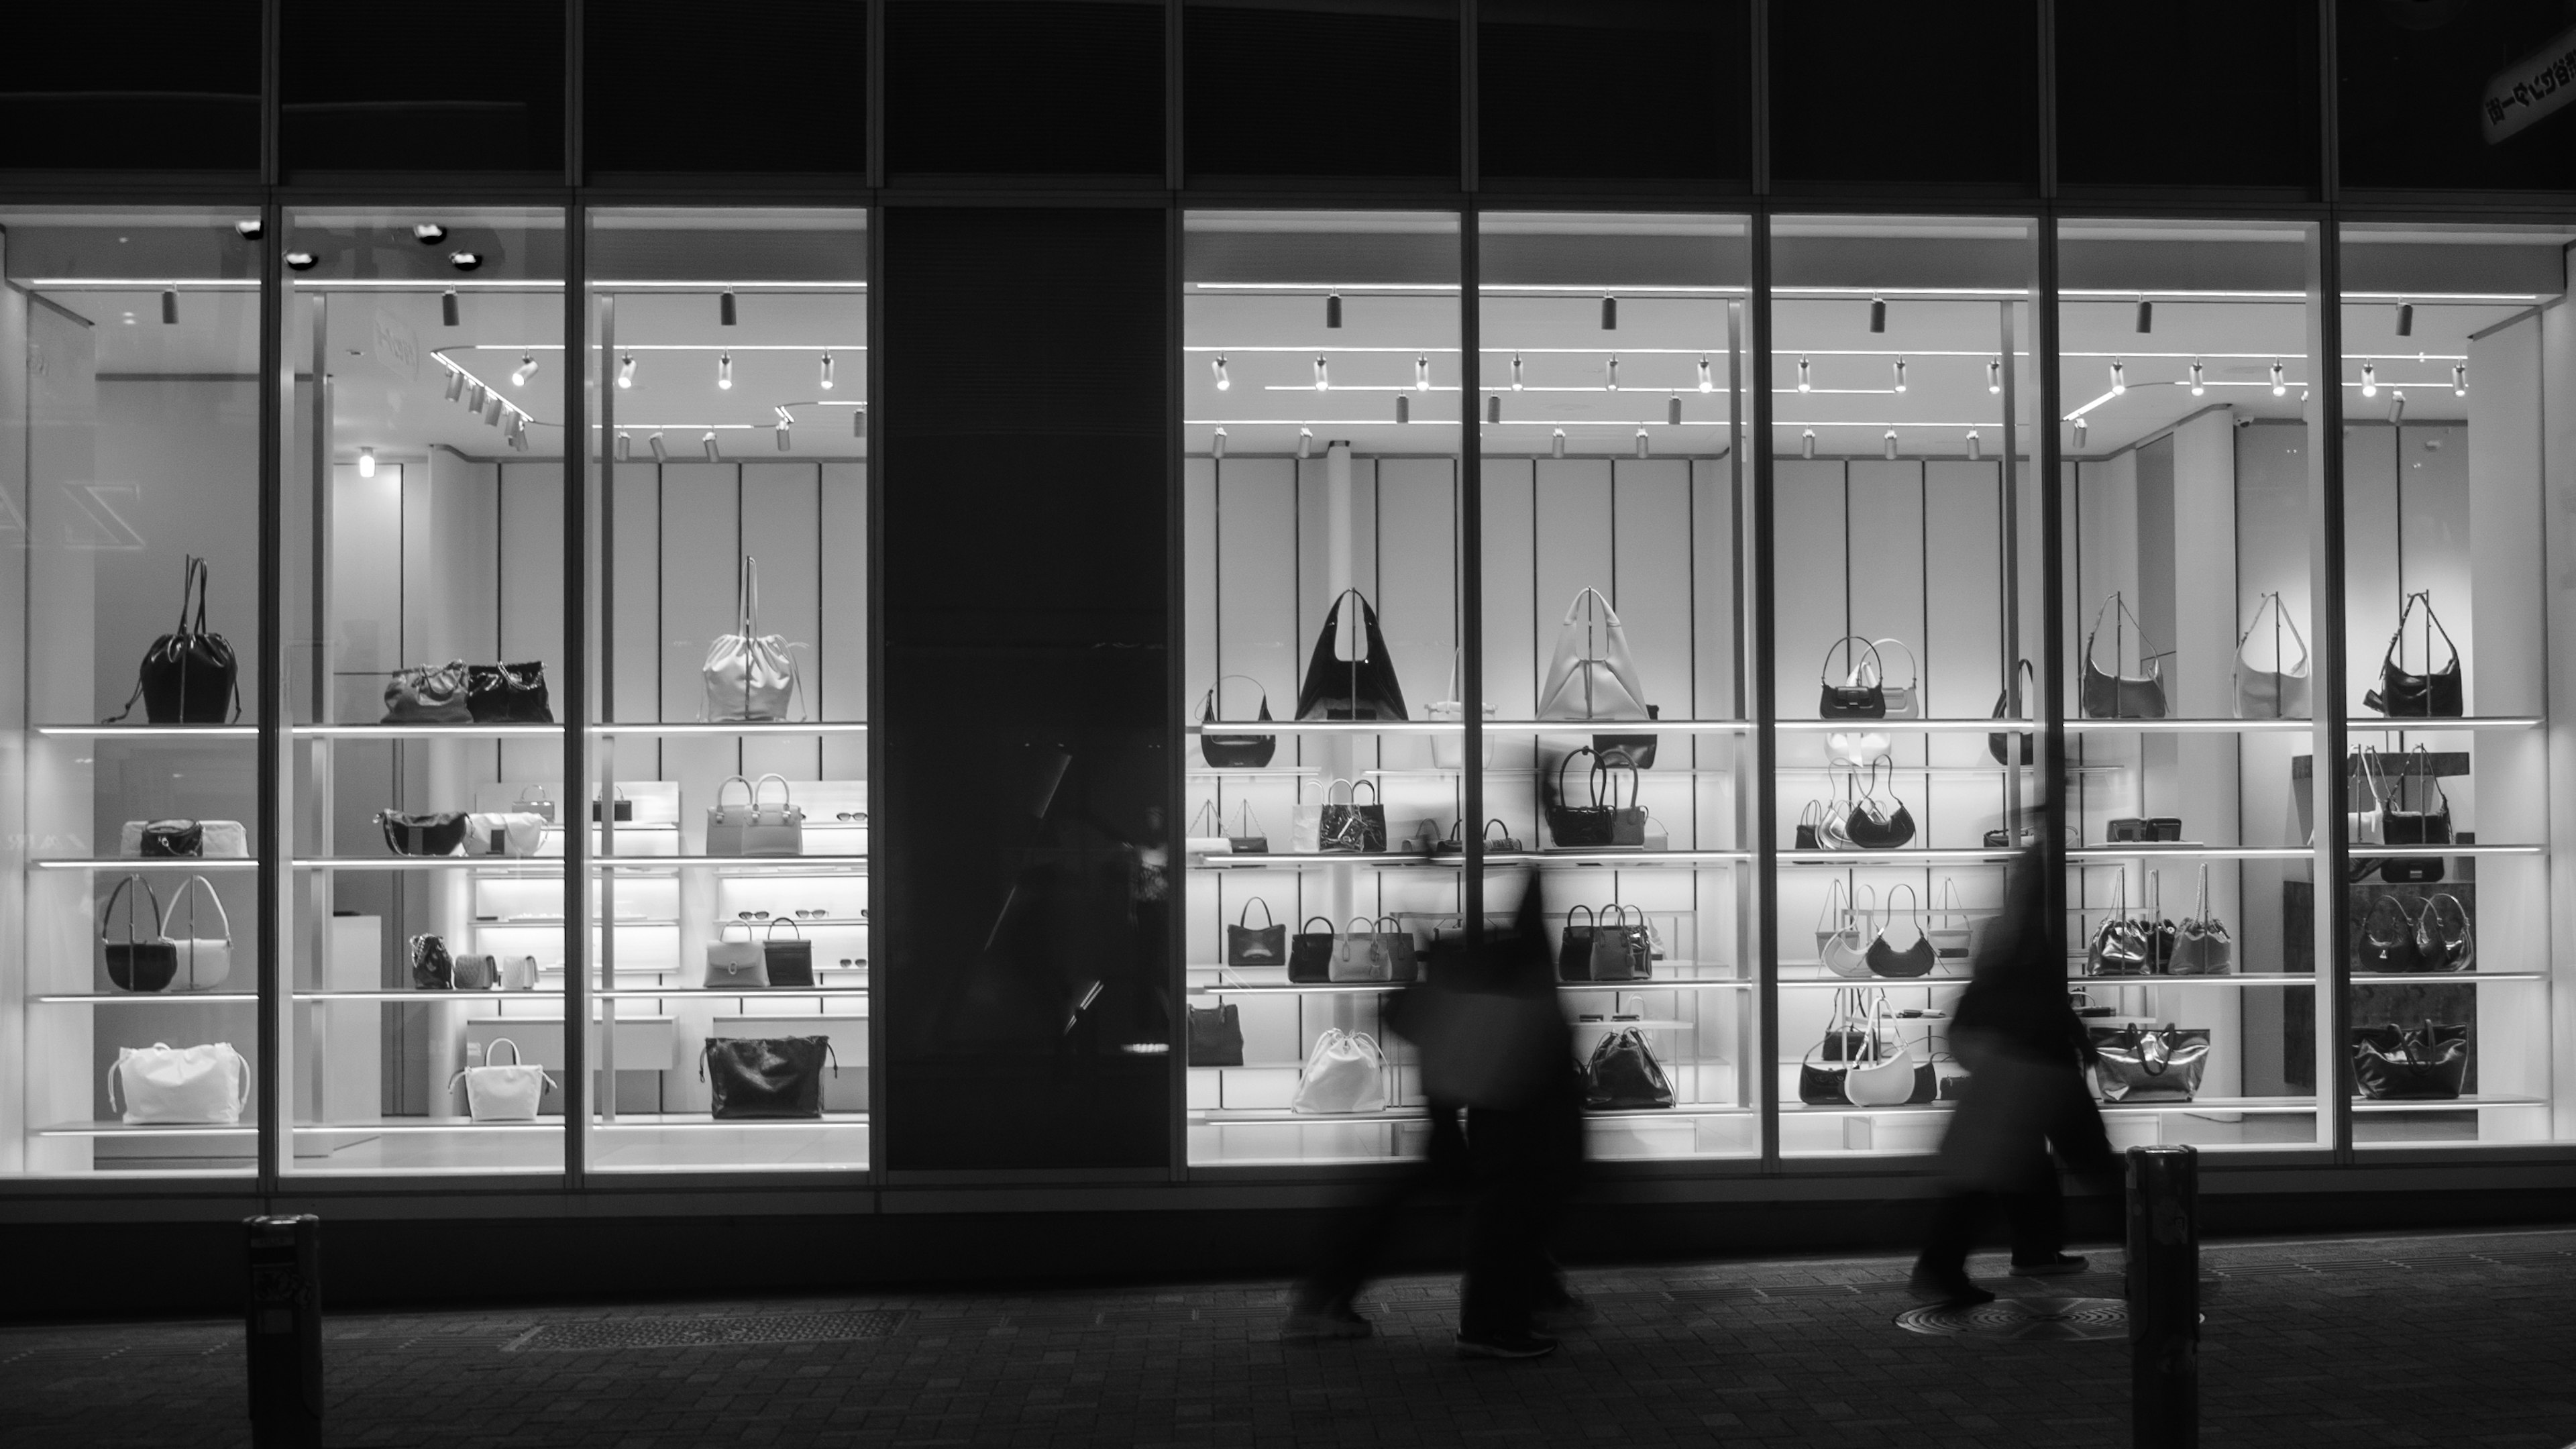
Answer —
1641 442
1889 450
2146 315
859 422
1556 444
1995 375
1516 372
1614 372
493 407
1323 376
366 462
2397 405
1609 314
455 384
169 306
1878 314
1900 374
447 307
1403 408
2405 319
2280 383
1805 382
526 369
780 433
300 261
510 427
1332 309
2460 380
1494 408
1706 383
626 370
1305 442
1807 443
2198 386
429 233
625 447
2119 379
661 451
465 261
707 445
474 396
724 370
1421 373
724 307
1216 447
1976 446
824 380
1673 410
1222 381
2079 430
247 230
2369 380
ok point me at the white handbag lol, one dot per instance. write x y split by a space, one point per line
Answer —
199 1085
737 963
519 973
755 828
1904 701
496 1093
218 839
2280 692
1592 676
1881 1072
1360 955
1842 936
2367 825
1345 1073
749 676
204 961
507 832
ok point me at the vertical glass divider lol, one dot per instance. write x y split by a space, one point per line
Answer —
2051 824
2329 781
1764 703
577 694
1471 576
275 405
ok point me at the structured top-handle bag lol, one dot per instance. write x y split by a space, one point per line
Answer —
1361 688
2114 695
766 1076
1359 955
1622 945
2280 692
503 1092
1591 676
1904 701
789 962
2014 749
1352 826
189 675
1234 752
2438 693
1310 953
428 694
1249 945
734 963
2201 945
204 962
758 826
750 677
140 962
1860 695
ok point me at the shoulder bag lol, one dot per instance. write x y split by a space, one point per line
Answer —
1360 956
428 694
1904 701
1234 752
508 694
477 972
2426 1064
1901 949
1954 928
1843 937
1860 695
2120 947
2435 694
2161 930
2386 941
2201 945
2021 748
2423 826
139 962
1845 1024
755 828
1871 825
189 675
1449 751
519 973
2444 940
1623 1075
766 1076
1250 945
432 969
1357 689
1881 1073
1591 675
438 832
1310 954
2149 1063
1216 1035
1247 838
204 962
737 964
749 677
1344 1075
495 1092
196 1085
2121 696
2280 692
789 962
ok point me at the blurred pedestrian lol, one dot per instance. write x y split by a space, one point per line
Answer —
2026 1052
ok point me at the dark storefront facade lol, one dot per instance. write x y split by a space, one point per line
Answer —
1271 489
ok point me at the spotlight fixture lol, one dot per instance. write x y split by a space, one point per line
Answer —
1806 383
2405 319
1305 442
1995 375
724 307
2369 380
625 447
1556 444
780 433
2198 386
1976 447
2397 405
1706 383
2146 316
429 233
626 370
1807 443
1332 309
661 451
474 396
2119 379
366 462
300 261
707 444
1609 314
1323 377
1494 409
465 261
1403 408
1673 410
1889 448
859 422
509 427
1613 372
1900 374
455 384
1641 442
1216 446
724 371
493 407
248 230
169 306
526 369
2460 380
2280 383
2079 430
1516 372
1421 373
1878 314
1222 381
823 379
447 308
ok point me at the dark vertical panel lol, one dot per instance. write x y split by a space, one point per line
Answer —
461 86
807 114
1024 87
1613 90
1287 89
2413 76
1022 891
1894 92
149 85
2188 93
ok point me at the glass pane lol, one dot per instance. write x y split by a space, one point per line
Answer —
472 86
425 783
1905 538
2188 61
2454 97
2446 643
1320 509
159 85
129 449
732 351
1671 71
1024 87
808 114
1890 91
1614 646
2185 381
1312 90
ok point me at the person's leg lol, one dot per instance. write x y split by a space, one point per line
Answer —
2037 1217
1956 1221
1352 1240
1494 1307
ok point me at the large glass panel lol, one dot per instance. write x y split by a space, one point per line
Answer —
476 86
158 85
1615 653
1024 87
1906 559
129 450
2185 61
2185 385
425 797
808 115
2454 97
2447 623
1320 547
731 538
1550 72
1280 88
1891 92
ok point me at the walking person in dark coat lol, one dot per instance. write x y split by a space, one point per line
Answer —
2026 1052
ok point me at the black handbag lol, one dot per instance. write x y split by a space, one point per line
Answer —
1623 1075
1637 750
189 675
440 832
2120 696
1362 688
2397 1063
2437 694
1602 823
620 809
1574 946
2386 943
432 969
2024 747
172 840
1235 752
789 962
508 693
2120 947
2444 939
2401 826
1310 953
766 1076
1350 826
138 963
1885 957
1216 1036
1852 699
1250 945
1871 825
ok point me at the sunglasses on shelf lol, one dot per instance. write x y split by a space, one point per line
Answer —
852 817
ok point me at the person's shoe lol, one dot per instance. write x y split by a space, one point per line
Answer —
2056 1267
1946 1291
1339 1320
1519 1343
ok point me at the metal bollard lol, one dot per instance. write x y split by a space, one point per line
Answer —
284 1331
2164 1297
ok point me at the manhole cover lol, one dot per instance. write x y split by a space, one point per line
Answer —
2051 1319
705 1330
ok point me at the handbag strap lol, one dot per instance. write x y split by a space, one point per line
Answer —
1913 665
746 602
188 891
2421 760
1915 910
1824 671
1611 771
110 909
1206 812
2280 620
1834 891
2373 777
2122 618
1251 825
2200 903
1243 917
1209 709
2432 625
1949 902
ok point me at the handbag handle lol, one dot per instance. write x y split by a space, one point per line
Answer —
2372 777
1560 772
1622 911
1497 823
1310 920
2281 619
2432 624
750 795
2200 903
729 925
1611 772
746 600
542 797
1852 679
1208 706
786 797
1346 785
1250 823
1375 796
1913 665
1591 917
2124 616
1243 917
1915 910
110 909
1206 812
1949 905
496 1044
186 892
2421 763
789 922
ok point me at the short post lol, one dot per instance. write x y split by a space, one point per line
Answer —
284 1331
2164 1297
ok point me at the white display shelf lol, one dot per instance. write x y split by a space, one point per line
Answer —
1983 855
1229 1116
1643 1023
646 729
480 731
1981 725
2372 724
148 731
2230 978
551 998
1821 979
812 864
2128 850
193 864
2463 1102
2441 978
557 923
149 1129
744 993
109 998
533 866
1359 988
1255 772
1407 860
699 1121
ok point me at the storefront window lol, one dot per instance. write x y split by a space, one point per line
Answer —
129 493
1322 391
729 491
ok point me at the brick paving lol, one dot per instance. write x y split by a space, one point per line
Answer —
2464 1339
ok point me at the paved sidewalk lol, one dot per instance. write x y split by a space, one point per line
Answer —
2448 1340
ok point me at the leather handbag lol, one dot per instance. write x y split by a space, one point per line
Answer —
2427 1063
2201 945
1603 822
503 1092
1623 1075
1881 1072
1356 689
2437 693
1591 675
2149 1063
2423 826
508 693
189 675
2386 941
789 962
2121 696
1860 695
1821 1070
755 828
1360 956
1843 936
204 962
2022 748
477 972
1250 945
1825 825
439 832
1622 946
534 800
199 1085
2444 939
428 694
1351 826
519 973
2280 692
2161 931
1247 838
140 962
1902 949
183 840
432 969
1310 954
1574 945
737 964
1216 1035
1871 824
1904 701
749 677
1952 927
1234 752
620 809
1448 750
766 1076
514 833
2120 947
1344 1075
1403 954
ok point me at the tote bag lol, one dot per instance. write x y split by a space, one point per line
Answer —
749 677
1591 675
2280 692
189 675
1361 688
199 1085
497 1092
